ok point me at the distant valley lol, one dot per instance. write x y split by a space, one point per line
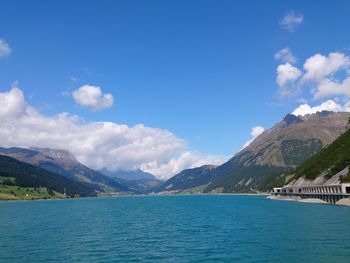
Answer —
267 162
61 172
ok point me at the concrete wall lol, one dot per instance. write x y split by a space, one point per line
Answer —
344 186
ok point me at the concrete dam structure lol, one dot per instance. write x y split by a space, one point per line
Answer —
328 193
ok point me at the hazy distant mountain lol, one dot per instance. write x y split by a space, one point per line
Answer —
27 175
129 175
189 178
142 186
137 180
62 162
279 149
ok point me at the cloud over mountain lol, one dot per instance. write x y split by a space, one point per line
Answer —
329 105
92 97
96 144
187 159
256 131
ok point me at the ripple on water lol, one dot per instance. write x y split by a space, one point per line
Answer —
173 229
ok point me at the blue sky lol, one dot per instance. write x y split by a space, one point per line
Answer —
204 70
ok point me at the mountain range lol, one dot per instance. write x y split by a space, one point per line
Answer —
23 174
129 175
279 149
272 159
276 151
63 163
189 178
136 180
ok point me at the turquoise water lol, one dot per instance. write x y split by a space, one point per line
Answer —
173 229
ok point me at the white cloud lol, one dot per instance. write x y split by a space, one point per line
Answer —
5 49
321 71
12 104
325 76
256 131
92 97
97 144
318 67
286 56
329 88
184 161
347 107
291 21
287 75
329 105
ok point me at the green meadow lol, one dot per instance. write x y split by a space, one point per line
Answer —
13 192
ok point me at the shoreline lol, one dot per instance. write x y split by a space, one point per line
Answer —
121 195
342 202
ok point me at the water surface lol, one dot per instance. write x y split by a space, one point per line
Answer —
207 228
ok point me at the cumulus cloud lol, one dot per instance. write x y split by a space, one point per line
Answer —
97 144
92 97
329 105
321 71
12 104
184 161
291 21
256 131
319 67
286 78
329 88
5 49
286 56
325 76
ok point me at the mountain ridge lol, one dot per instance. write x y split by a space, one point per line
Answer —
189 178
28 175
62 162
331 161
129 175
277 150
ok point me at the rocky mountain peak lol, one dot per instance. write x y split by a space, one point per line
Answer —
286 145
324 113
208 167
291 119
56 154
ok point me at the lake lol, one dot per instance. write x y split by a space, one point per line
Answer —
192 228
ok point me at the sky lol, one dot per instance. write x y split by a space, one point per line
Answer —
166 85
